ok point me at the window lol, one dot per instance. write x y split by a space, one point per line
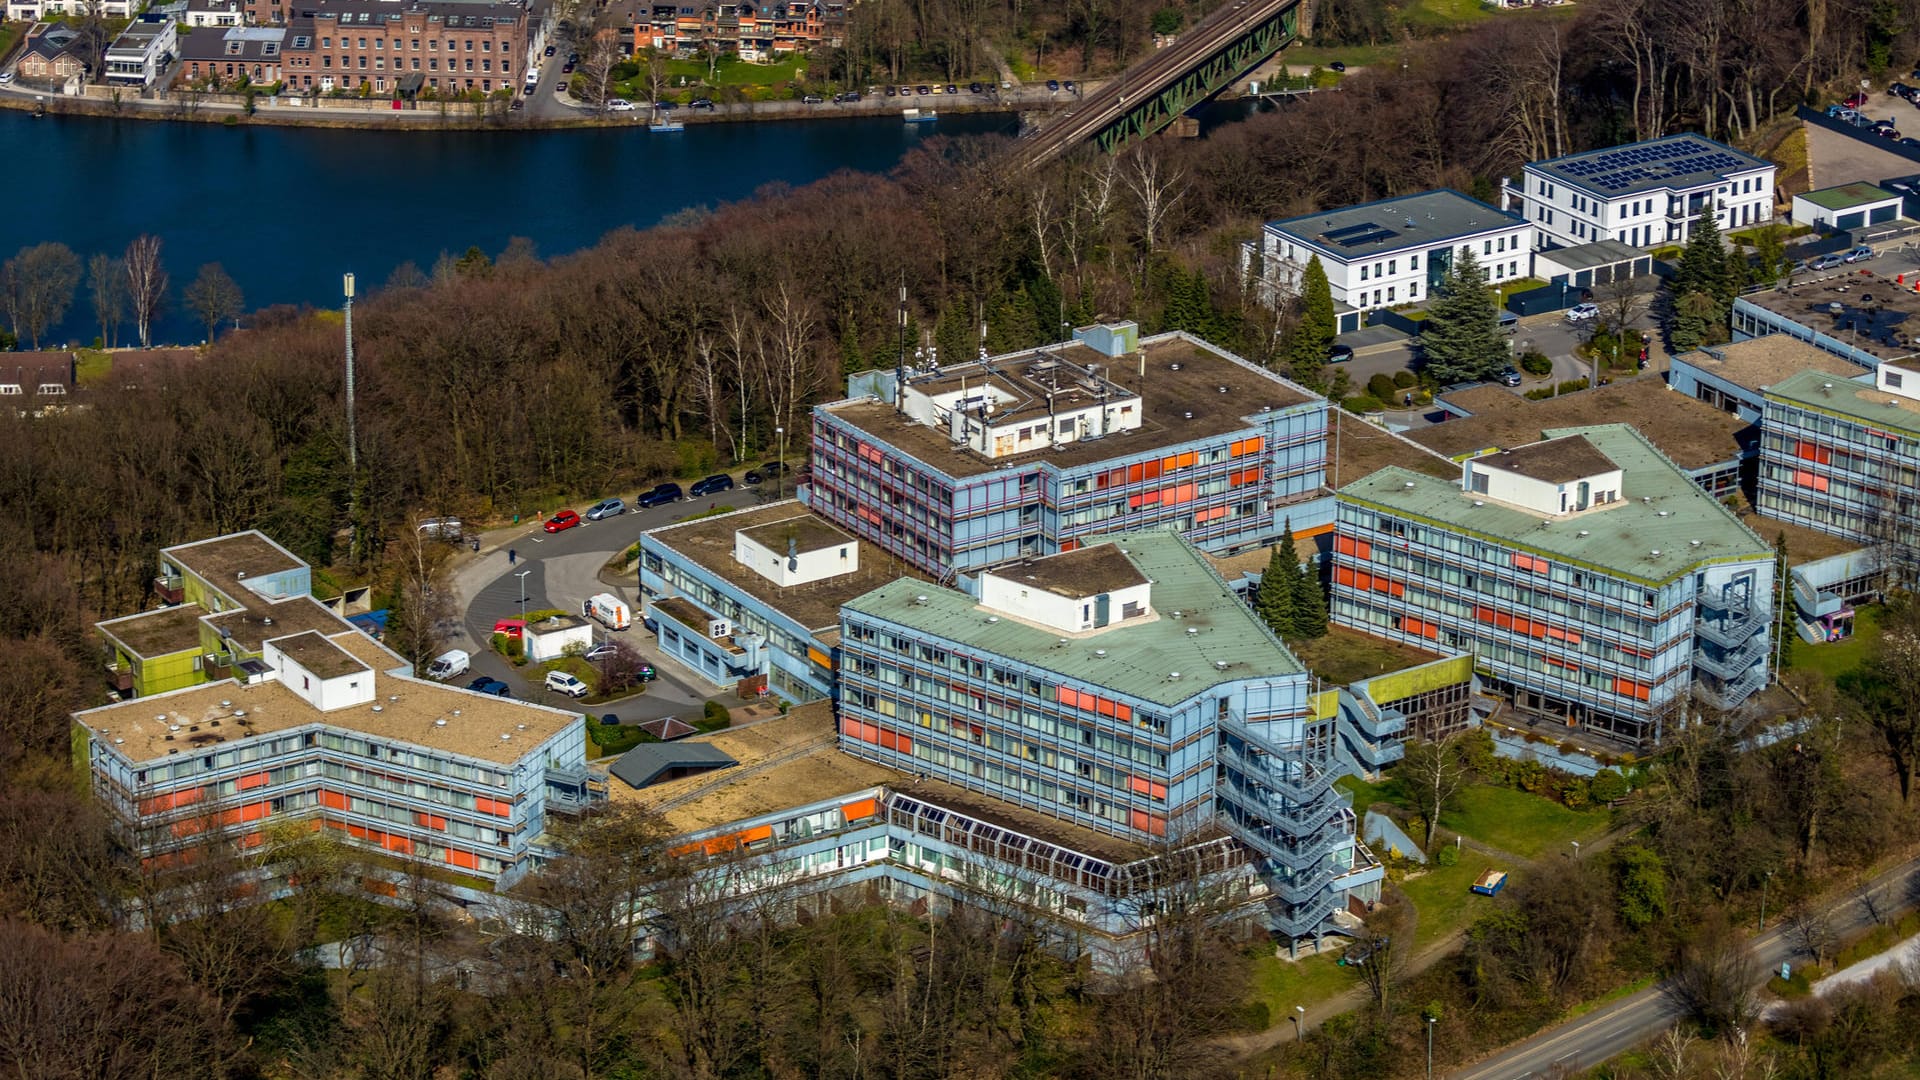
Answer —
1363 273
1893 379
1390 294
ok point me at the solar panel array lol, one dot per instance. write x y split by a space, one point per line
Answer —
1352 236
1628 167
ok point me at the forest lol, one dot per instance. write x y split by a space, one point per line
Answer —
495 384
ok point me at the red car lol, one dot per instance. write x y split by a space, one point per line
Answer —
565 519
1856 101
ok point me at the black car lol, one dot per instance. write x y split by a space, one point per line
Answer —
1053 84
700 103
713 485
660 496
752 477
922 90
974 88
1339 354
952 89
481 682
551 50
1338 66
891 91
1068 86
490 686
774 468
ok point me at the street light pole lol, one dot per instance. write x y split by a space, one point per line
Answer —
1576 848
522 575
1298 1012
1430 1022
780 478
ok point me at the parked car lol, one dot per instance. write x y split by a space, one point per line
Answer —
923 90
647 674
606 508
700 103
600 652
952 89
975 88
713 485
1068 86
486 685
551 49
752 478
562 521
619 105
1053 85
1858 254
775 468
565 682
892 91
447 529
6 76
663 106
449 665
1508 377
661 495
1339 66
1840 112
1826 262
1856 100
1339 354
1583 312
812 99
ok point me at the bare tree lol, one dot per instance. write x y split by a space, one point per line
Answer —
107 281
1158 187
1381 950
39 283
417 626
1715 980
214 297
146 284
1433 774
1811 929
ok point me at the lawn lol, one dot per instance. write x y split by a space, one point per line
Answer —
1507 289
731 72
1442 898
1446 14
1516 821
1345 656
1835 659
94 365
1365 794
1350 55
1281 984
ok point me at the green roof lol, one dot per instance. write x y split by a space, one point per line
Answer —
1847 196
1141 655
1660 509
1845 397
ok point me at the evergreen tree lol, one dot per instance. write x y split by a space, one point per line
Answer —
1312 337
1697 319
1462 340
1309 603
1783 629
1279 588
1704 266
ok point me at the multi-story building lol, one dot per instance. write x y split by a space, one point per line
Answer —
753 597
754 32
1591 579
329 728
51 57
141 52
960 466
1389 253
1838 313
1645 194
32 11
452 45
204 13
1735 377
1119 688
226 55
1843 457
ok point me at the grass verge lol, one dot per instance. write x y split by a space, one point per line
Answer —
1835 658
1279 984
1440 896
1525 824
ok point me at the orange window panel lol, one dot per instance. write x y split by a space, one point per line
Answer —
757 834
1070 698
254 780
1068 545
496 807
860 811
1211 513
1153 824
171 801
1248 446
1145 498
463 858
1342 575
1122 712
333 799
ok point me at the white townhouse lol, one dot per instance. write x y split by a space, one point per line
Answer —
1644 194
31 11
1389 253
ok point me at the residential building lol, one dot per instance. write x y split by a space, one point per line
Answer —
770 580
1843 457
1714 449
141 52
32 11
1847 207
1389 253
224 56
1590 578
32 381
1120 689
453 45
755 32
1645 194
959 466
223 13
1735 377
51 57
329 728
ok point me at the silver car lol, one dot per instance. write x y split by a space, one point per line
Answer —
606 508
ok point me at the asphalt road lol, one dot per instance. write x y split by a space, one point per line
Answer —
1606 1032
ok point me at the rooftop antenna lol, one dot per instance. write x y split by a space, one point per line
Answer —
900 363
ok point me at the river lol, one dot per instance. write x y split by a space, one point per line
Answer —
287 210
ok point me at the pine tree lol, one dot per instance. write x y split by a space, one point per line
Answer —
1279 588
1783 598
1696 320
1309 603
1312 337
1462 340
1704 267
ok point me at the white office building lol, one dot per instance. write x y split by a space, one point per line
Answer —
1644 194
1389 253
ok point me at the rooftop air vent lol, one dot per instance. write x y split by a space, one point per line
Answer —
456 712
1192 630
1173 366
1477 502
379 708
1188 415
1223 389
519 727
1665 513
226 704
1100 653
238 713
1173 676
440 722
993 618
1583 532
173 727
1220 665
266 620
1693 543
921 600
1655 553
1826 386
117 741
393 697
1408 485
504 736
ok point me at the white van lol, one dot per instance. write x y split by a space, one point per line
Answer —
449 665
608 610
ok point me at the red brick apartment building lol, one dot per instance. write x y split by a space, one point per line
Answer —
346 44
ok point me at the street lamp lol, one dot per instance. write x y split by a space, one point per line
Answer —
1762 924
522 575
1298 1012
1430 1023
780 477
1576 848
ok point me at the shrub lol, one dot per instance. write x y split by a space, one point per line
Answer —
1535 362
714 718
1363 403
1381 386
542 615
1574 793
1448 855
1405 380
1608 786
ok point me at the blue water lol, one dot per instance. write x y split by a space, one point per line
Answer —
287 210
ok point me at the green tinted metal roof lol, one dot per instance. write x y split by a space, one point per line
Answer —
1836 396
1141 654
1846 196
1660 510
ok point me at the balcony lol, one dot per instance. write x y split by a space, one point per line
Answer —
169 588
120 677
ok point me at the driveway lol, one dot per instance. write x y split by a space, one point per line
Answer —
1833 158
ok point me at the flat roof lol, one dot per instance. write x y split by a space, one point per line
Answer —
320 656
160 632
1845 196
1672 163
253 626
1077 574
1177 405
809 533
708 543
1597 254
227 561
1875 314
408 708
1362 448
1554 461
1387 225
1861 401
1691 432
1212 627
1660 509
1757 363
1804 545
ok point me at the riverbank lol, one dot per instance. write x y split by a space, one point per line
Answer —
463 116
